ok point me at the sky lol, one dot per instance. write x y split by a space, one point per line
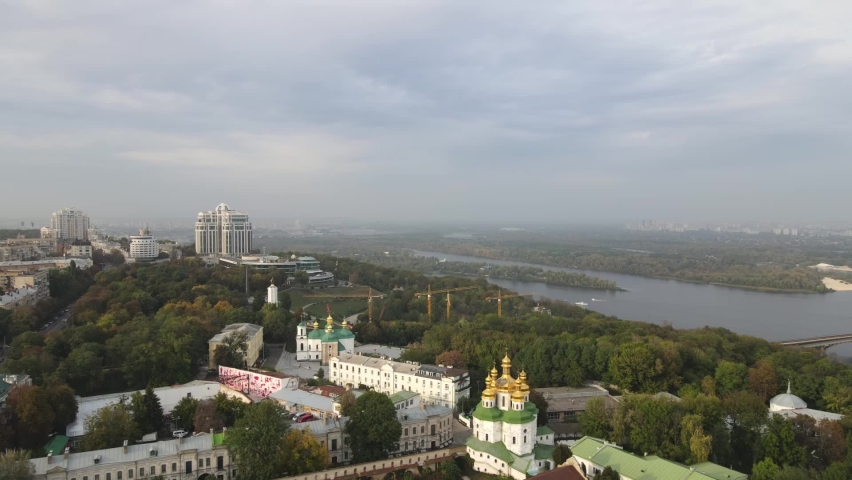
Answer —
547 111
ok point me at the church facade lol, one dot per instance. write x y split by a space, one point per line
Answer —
321 345
506 439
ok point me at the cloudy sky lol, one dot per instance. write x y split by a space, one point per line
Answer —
548 111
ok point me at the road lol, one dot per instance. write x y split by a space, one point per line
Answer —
58 322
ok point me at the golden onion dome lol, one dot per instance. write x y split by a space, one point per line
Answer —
524 386
518 396
329 320
507 364
316 324
345 324
494 371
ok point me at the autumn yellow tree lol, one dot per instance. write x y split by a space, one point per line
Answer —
302 453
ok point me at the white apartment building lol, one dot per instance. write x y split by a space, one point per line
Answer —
223 232
69 224
201 456
80 248
436 384
143 246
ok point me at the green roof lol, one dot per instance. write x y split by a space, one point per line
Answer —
530 407
301 324
543 431
316 333
496 449
543 452
650 467
340 347
518 417
402 396
487 414
4 388
218 439
56 445
344 333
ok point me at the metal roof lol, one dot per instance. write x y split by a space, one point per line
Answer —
248 328
303 398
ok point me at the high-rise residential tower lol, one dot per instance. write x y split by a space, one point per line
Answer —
223 231
69 224
143 246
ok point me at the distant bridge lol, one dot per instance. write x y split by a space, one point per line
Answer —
820 342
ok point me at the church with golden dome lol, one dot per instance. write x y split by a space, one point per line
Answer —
321 345
506 440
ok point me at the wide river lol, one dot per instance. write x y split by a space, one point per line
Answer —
773 316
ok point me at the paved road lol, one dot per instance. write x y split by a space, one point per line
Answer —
460 432
58 322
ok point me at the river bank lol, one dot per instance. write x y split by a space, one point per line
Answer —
837 285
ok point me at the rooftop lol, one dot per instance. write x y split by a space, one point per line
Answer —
650 467
112 456
422 412
321 427
248 328
403 396
303 398
563 473
169 397
570 399
401 367
380 350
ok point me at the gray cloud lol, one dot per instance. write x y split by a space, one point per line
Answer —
556 111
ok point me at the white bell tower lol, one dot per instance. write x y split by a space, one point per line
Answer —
272 293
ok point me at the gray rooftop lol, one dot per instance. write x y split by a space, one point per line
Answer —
416 414
111 456
380 350
322 427
307 399
249 329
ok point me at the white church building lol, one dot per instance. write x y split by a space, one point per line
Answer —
321 345
506 440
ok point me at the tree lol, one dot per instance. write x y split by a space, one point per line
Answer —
34 415
373 428
540 402
451 357
730 377
109 427
232 351
763 380
286 301
64 404
347 402
257 440
636 369
594 422
301 277
694 439
147 411
608 474
561 454
765 470
230 409
779 443
15 465
320 374
302 453
207 417
450 471
184 412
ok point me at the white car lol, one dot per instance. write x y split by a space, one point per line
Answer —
179 433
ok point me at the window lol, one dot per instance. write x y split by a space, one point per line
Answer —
422 429
141 472
525 439
486 437
174 467
514 440
153 470
334 444
406 432
108 476
130 474
97 477
117 475
189 467
206 462
433 429
553 415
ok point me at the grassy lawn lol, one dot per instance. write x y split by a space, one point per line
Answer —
343 307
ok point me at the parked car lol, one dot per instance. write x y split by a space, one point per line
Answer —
305 418
299 415
179 433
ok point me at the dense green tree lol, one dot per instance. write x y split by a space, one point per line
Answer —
778 443
765 470
257 441
229 408
302 453
730 377
15 465
347 403
147 411
301 277
451 357
109 427
63 402
34 415
184 412
636 369
561 454
763 380
594 421
541 403
232 351
373 428
450 471
607 474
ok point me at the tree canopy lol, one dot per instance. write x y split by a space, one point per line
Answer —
109 427
373 428
257 440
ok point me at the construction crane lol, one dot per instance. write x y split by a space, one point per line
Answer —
500 298
369 296
429 294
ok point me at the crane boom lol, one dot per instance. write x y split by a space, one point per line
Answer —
429 292
369 296
500 298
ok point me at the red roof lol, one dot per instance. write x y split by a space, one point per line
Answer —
562 473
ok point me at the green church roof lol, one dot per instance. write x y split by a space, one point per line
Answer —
487 414
316 333
518 417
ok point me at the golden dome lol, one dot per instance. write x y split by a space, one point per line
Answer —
505 384
316 324
345 324
518 396
329 320
507 363
524 387
329 328
494 371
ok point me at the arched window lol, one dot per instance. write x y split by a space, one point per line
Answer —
302 345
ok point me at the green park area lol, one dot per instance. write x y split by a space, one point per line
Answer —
340 307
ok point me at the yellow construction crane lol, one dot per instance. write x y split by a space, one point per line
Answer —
369 296
429 294
500 298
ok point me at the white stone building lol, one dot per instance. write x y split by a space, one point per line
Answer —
322 345
789 405
436 384
80 248
223 232
143 247
272 293
69 224
506 439
203 456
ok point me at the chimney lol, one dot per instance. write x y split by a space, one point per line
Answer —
124 447
67 449
49 456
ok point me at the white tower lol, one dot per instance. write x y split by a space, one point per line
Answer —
272 293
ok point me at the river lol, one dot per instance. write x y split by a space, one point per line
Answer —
773 316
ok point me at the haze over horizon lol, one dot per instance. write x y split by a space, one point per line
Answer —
432 111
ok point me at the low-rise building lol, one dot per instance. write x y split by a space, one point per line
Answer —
169 398
254 334
80 248
321 345
789 406
20 277
565 404
200 456
9 382
405 399
300 401
438 385
594 455
19 297
21 248
48 263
